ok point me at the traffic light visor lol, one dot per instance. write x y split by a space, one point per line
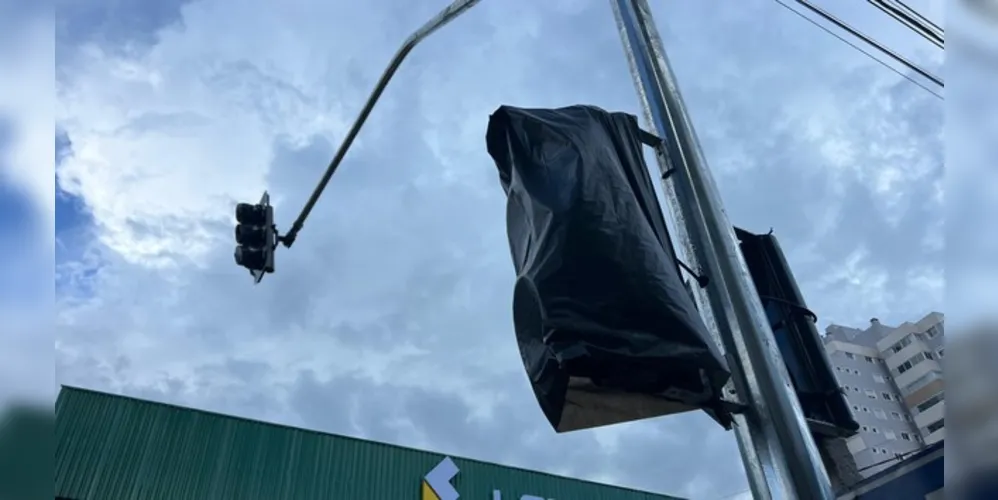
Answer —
251 214
251 258
251 236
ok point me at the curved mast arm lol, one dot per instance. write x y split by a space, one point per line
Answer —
445 16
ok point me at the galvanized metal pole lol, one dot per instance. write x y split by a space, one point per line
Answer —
779 454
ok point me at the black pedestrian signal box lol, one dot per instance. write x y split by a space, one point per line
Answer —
794 327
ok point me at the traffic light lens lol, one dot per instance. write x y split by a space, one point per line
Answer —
251 258
252 236
251 214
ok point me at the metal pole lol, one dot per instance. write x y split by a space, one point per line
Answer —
445 16
779 454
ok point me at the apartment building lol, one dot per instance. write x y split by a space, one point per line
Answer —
893 379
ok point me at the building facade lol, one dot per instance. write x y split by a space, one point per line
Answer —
114 447
893 378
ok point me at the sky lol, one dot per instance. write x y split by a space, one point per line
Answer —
390 319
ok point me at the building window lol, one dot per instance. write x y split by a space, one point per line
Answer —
879 379
838 368
873 430
855 407
880 414
866 410
906 436
869 359
940 353
896 415
929 403
871 394
907 418
901 344
855 389
887 396
850 356
866 429
911 362
934 426
890 435
933 332
903 367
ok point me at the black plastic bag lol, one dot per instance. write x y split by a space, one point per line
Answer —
607 330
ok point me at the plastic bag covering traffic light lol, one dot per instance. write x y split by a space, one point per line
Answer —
825 407
255 237
607 330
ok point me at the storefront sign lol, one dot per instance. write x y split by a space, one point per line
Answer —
437 484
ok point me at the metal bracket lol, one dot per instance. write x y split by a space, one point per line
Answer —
649 139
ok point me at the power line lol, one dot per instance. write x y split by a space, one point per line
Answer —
897 456
860 49
928 22
911 19
871 42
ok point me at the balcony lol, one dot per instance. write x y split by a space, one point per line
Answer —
933 432
920 383
931 414
920 369
935 437
894 359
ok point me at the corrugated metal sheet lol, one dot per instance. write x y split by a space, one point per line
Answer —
117 448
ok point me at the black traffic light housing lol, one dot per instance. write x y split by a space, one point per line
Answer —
256 237
825 406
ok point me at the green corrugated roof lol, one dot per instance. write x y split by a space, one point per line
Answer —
121 448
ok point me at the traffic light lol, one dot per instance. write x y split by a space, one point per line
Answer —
256 237
825 407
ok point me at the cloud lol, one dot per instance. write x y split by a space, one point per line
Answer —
390 316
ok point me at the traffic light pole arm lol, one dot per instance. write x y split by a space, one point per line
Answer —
455 9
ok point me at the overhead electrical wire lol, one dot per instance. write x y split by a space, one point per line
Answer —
870 41
868 53
896 457
911 19
926 20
